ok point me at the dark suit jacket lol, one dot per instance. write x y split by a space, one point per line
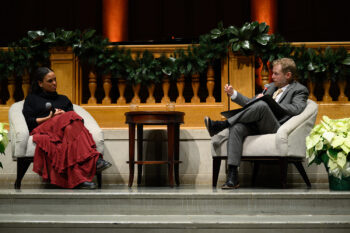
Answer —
293 100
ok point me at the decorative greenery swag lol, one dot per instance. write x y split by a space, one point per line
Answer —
96 53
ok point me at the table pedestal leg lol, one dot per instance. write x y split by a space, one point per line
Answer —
131 153
139 152
176 153
171 138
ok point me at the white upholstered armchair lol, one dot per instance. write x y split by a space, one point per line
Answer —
287 145
23 147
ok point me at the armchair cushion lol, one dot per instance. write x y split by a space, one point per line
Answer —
22 144
288 141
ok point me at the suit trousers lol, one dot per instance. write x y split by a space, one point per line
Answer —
256 119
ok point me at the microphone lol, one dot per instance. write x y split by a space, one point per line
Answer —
49 107
266 86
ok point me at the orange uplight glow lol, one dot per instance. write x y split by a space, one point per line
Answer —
115 20
265 11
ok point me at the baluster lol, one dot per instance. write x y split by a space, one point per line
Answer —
166 87
311 87
327 86
136 88
151 99
25 83
195 88
121 88
92 87
264 76
180 84
11 88
210 84
342 85
107 86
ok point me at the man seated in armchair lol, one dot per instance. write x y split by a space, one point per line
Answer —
258 118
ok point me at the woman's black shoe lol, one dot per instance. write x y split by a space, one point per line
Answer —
102 165
86 185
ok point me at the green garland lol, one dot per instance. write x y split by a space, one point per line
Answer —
95 53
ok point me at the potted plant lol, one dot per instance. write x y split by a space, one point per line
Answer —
146 71
169 71
335 62
37 48
122 66
329 143
3 140
88 48
62 39
14 63
249 37
3 65
189 63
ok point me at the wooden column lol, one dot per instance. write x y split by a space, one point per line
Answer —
241 77
264 11
63 62
115 19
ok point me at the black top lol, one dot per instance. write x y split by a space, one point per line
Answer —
35 106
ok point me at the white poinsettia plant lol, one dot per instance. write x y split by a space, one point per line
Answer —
3 139
329 142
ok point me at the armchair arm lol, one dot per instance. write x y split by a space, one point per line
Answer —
19 132
297 126
91 124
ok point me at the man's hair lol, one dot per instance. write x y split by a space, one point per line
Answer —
288 65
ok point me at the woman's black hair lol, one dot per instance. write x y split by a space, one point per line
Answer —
38 75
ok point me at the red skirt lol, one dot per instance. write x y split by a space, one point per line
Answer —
65 153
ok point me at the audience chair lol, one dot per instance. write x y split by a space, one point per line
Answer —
285 146
23 147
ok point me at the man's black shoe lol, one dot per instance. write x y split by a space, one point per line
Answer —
214 127
102 165
86 185
232 178
230 185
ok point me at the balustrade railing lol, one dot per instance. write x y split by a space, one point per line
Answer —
107 99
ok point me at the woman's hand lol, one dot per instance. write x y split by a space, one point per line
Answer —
43 119
58 111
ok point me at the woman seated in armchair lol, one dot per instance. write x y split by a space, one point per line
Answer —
65 153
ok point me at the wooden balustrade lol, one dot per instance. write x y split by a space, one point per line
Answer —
108 100
92 87
210 84
11 83
311 87
342 85
180 88
327 86
165 87
121 88
25 84
107 86
151 99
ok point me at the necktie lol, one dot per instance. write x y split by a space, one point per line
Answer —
276 93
